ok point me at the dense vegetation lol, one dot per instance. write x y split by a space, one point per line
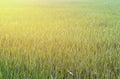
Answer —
60 41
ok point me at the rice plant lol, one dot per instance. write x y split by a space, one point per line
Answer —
67 40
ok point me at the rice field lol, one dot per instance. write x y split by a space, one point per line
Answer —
75 40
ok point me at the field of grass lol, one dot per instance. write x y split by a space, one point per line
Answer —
75 40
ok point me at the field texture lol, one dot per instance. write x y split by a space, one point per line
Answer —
75 40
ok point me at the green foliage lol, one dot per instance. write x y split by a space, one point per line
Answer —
68 41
